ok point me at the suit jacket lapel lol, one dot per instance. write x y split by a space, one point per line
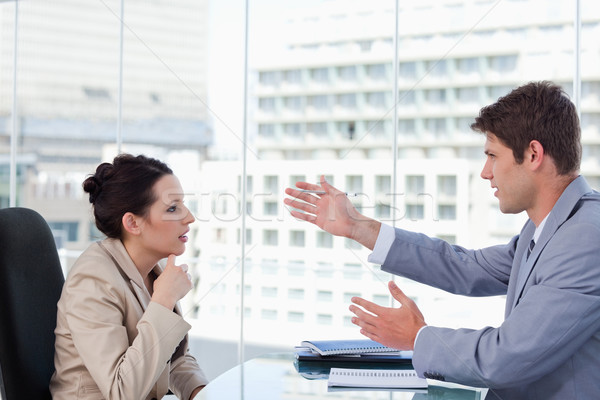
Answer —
559 214
118 253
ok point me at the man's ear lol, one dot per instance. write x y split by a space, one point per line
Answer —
535 154
131 223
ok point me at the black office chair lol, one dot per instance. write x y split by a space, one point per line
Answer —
31 281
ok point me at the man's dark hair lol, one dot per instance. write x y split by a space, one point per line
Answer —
539 111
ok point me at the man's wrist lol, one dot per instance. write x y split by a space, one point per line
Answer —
365 232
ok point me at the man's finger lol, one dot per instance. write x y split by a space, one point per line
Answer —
367 305
363 316
397 293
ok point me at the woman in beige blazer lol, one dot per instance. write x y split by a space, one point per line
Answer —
119 331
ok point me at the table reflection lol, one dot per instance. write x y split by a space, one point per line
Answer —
277 376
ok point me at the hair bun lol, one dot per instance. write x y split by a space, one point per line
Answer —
93 184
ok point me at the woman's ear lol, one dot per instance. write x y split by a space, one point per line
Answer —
131 223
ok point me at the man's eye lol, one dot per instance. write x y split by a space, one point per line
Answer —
172 209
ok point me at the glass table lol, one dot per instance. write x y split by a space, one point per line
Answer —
279 376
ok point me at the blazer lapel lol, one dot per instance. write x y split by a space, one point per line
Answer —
559 214
118 253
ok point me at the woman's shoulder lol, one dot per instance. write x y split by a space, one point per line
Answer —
95 261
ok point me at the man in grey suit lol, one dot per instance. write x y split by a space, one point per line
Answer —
548 346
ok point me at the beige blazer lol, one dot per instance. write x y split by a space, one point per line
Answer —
112 342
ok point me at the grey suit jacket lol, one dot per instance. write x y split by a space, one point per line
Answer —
548 346
112 342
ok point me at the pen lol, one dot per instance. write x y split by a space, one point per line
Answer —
321 192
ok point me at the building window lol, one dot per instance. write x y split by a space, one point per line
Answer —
297 238
349 295
268 314
319 75
266 104
324 270
415 212
324 240
296 294
325 296
65 231
347 100
347 73
447 212
270 237
354 184
295 316
324 319
352 271
270 207
447 185
415 184
268 291
318 102
376 72
383 184
271 184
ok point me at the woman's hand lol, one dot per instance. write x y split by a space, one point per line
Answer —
172 284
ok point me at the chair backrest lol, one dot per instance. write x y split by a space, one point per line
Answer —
31 281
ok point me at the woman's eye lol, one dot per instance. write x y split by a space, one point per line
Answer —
172 209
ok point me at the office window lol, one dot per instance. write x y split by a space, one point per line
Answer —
376 100
347 73
376 72
296 178
266 104
318 129
467 66
383 184
407 70
295 316
354 184
415 184
269 78
320 75
324 295
297 238
66 231
346 100
447 212
270 237
271 184
266 130
293 103
383 211
349 295
381 299
296 294
415 211
296 268
447 185
268 314
324 240
324 319
318 102
352 271
270 207
324 269
292 76
268 292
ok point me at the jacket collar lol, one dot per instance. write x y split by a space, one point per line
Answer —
123 261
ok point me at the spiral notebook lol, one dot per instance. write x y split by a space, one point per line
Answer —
375 378
350 346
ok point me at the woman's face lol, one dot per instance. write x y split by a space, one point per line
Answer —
166 224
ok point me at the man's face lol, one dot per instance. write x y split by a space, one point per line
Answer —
511 180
